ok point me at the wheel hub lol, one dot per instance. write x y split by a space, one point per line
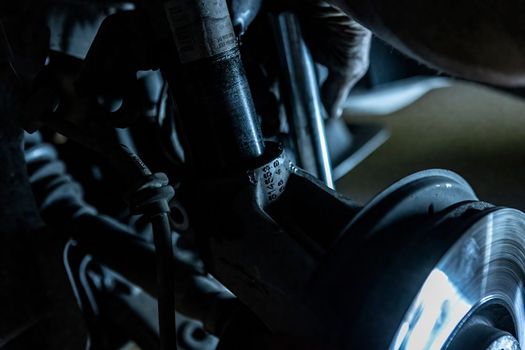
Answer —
505 343
483 336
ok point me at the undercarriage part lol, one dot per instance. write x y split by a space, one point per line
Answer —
196 295
431 263
149 194
302 90
481 335
267 258
425 264
58 196
118 312
209 85
480 276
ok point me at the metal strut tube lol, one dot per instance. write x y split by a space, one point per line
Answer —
210 87
305 106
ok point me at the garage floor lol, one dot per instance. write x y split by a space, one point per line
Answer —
473 130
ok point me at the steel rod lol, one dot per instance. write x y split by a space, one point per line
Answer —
305 106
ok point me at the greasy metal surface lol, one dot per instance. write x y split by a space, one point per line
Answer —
216 109
219 117
485 266
251 254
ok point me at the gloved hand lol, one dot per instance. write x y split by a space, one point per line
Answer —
339 43
242 13
336 41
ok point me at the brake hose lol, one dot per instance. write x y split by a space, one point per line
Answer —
151 199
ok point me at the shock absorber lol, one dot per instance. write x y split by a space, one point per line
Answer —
209 85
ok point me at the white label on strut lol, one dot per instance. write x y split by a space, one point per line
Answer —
201 28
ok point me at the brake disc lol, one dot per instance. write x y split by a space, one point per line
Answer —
473 299
426 266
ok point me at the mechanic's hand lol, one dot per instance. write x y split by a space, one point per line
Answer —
339 43
336 40
243 13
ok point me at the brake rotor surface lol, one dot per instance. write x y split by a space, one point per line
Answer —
445 272
480 277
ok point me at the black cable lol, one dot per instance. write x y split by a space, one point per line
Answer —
165 280
151 199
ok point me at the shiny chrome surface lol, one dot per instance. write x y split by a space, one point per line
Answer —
485 267
413 195
305 102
